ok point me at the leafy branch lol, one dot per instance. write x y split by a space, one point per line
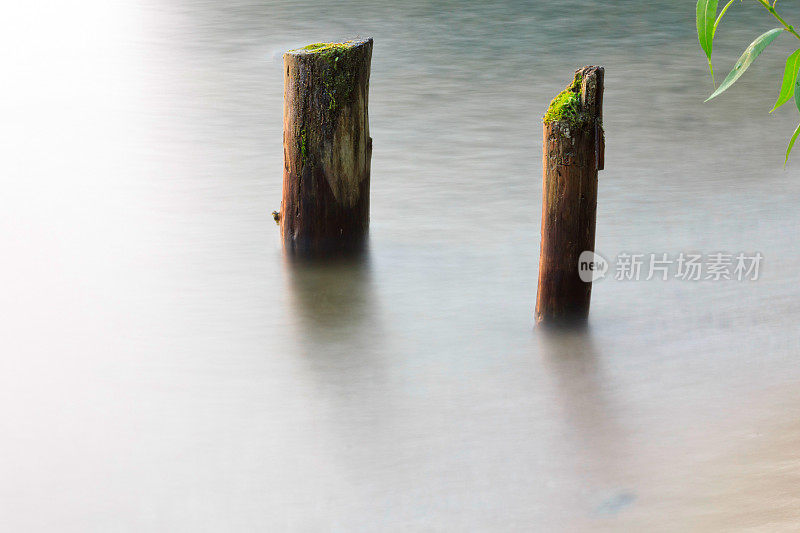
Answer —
707 23
771 9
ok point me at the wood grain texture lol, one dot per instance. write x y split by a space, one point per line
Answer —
572 155
327 149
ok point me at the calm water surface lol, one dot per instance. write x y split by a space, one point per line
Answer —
165 369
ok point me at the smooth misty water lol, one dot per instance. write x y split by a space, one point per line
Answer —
165 369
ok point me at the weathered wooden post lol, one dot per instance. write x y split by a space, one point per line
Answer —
572 154
326 148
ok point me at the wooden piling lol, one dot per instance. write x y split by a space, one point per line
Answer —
326 148
572 154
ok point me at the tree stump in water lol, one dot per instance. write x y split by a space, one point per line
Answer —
326 148
573 152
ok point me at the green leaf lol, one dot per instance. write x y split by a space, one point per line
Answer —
797 131
791 145
789 79
706 14
797 93
744 62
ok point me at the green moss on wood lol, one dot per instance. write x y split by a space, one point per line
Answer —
339 77
566 106
325 48
302 144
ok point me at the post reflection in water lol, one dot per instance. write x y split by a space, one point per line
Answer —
337 321
590 420
332 298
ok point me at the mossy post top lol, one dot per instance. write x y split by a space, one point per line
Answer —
324 49
580 103
336 68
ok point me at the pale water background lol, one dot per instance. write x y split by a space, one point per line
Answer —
164 369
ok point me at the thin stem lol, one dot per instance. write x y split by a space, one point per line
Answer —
711 68
786 25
